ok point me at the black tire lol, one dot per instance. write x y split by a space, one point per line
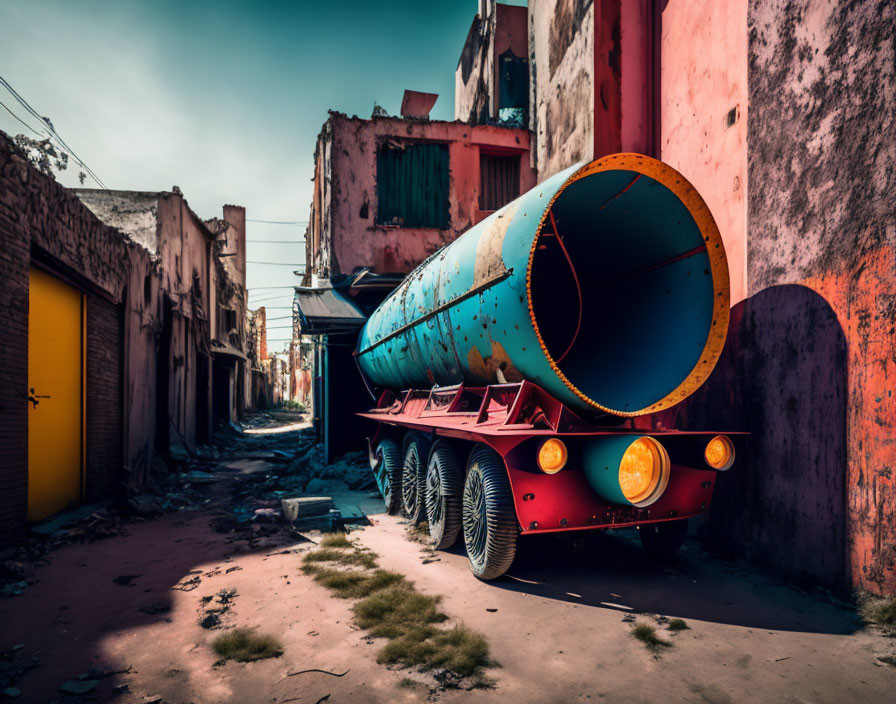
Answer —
662 540
489 520
387 471
413 477
444 495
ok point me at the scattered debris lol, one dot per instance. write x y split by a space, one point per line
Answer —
158 607
126 580
326 672
188 585
210 620
78 686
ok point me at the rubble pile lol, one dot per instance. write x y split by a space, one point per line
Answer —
242 476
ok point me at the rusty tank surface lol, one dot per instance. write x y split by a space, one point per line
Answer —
606 285
516 363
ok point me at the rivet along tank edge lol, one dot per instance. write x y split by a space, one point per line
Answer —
606 285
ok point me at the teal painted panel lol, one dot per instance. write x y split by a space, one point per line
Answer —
412 185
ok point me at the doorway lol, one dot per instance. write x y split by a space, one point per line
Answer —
55 394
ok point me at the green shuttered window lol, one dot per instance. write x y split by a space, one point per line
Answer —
412 185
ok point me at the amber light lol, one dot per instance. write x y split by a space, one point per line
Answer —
719 453
641 469
552 456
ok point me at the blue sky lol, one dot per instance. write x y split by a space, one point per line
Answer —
224 99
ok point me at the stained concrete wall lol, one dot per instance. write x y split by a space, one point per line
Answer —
561 77
344 234
822 149
809 368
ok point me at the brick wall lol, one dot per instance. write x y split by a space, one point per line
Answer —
104 398
41 219
14 264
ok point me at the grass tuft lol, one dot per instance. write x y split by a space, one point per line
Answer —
390 607
352 584
419 532
245 645
396 610
336 540
880 611
646 633
678 624
358 558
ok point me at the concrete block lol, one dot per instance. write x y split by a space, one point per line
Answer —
305 507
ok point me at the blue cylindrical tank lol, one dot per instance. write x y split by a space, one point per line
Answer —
606 285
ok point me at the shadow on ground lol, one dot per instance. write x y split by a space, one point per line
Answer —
612 571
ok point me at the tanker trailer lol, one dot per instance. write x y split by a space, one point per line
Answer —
523 367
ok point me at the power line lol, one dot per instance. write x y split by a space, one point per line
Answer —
49 126
27 126
280 222
275 263
256 288
272 298
275 241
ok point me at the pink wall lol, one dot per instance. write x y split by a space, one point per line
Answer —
704 75
347 214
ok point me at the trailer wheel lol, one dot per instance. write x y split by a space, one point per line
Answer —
387 471
489 519
413 477
662 540
443 496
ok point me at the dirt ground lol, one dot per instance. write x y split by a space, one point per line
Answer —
124 613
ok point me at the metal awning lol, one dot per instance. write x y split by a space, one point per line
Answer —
224 349
325 311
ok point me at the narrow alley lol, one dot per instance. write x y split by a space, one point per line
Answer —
131 616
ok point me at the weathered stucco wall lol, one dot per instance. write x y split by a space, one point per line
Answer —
703 78
493 31
561 73
344 225
473 81
822 145
131 212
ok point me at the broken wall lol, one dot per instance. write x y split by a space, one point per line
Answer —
344 231
185 262
561 77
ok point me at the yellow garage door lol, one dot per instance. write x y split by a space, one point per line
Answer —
56 395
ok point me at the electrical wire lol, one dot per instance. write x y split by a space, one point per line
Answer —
279 222
275 263
275 241
27 126
49 126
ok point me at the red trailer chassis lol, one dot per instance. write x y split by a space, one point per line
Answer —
513 419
